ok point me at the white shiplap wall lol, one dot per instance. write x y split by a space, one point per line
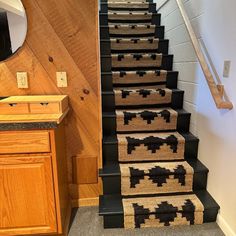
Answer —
214 21
185 60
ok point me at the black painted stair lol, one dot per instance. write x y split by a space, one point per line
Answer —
111 177
124 88
108 101
109 122
108 85
106 64
158 32
163 47
110 147
110 207
104 8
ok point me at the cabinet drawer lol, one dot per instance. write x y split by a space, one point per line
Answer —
45 108
24 142
14 108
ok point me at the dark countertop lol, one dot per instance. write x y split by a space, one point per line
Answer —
28 126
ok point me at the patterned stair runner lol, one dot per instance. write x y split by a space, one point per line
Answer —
146 120
150 150
162 211
153 178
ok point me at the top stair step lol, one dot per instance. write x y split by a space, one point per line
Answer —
105 1
131 6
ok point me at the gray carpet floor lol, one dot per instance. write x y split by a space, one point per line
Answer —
87 223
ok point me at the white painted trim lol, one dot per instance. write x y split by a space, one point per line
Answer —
224 226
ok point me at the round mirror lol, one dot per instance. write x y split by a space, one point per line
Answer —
13 27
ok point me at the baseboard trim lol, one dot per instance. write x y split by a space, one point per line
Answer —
85 202
225 226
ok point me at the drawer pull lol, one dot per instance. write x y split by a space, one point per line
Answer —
12 104
44 103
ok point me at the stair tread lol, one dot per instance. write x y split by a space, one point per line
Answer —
112 92
128 54
145 70
113 169
112 204
125 13
132 38
128 3
112 139
127 25
113 114
138 53
131 25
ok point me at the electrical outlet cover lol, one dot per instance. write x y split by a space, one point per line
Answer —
62 79
22 80
226 69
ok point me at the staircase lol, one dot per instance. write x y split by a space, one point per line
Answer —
151 174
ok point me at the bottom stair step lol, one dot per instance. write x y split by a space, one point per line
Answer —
112 209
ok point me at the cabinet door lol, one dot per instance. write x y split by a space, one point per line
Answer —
27 204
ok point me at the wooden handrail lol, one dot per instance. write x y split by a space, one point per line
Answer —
216 90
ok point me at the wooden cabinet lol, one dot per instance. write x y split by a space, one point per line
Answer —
22 142
27 199
52 104
34 196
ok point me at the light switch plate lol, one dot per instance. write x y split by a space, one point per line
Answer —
226 69
22 80
62 79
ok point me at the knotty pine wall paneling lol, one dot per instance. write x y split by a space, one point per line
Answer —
63 36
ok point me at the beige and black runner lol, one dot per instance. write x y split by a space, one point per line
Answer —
150 150
162 211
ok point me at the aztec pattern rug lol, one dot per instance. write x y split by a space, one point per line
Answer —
156 178
150 150
131 29
146 119
142 96
136 60
137 77
150 147
162 211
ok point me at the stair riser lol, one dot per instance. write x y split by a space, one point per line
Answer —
104 8
163 47
108 102
107 85
110 150
109 124
117 221
106 64
112 184
104 33
105 1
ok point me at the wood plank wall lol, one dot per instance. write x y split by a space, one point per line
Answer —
63 36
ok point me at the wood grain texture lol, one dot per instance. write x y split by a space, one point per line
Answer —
61 185
85 170
27 203
63 36
24 141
